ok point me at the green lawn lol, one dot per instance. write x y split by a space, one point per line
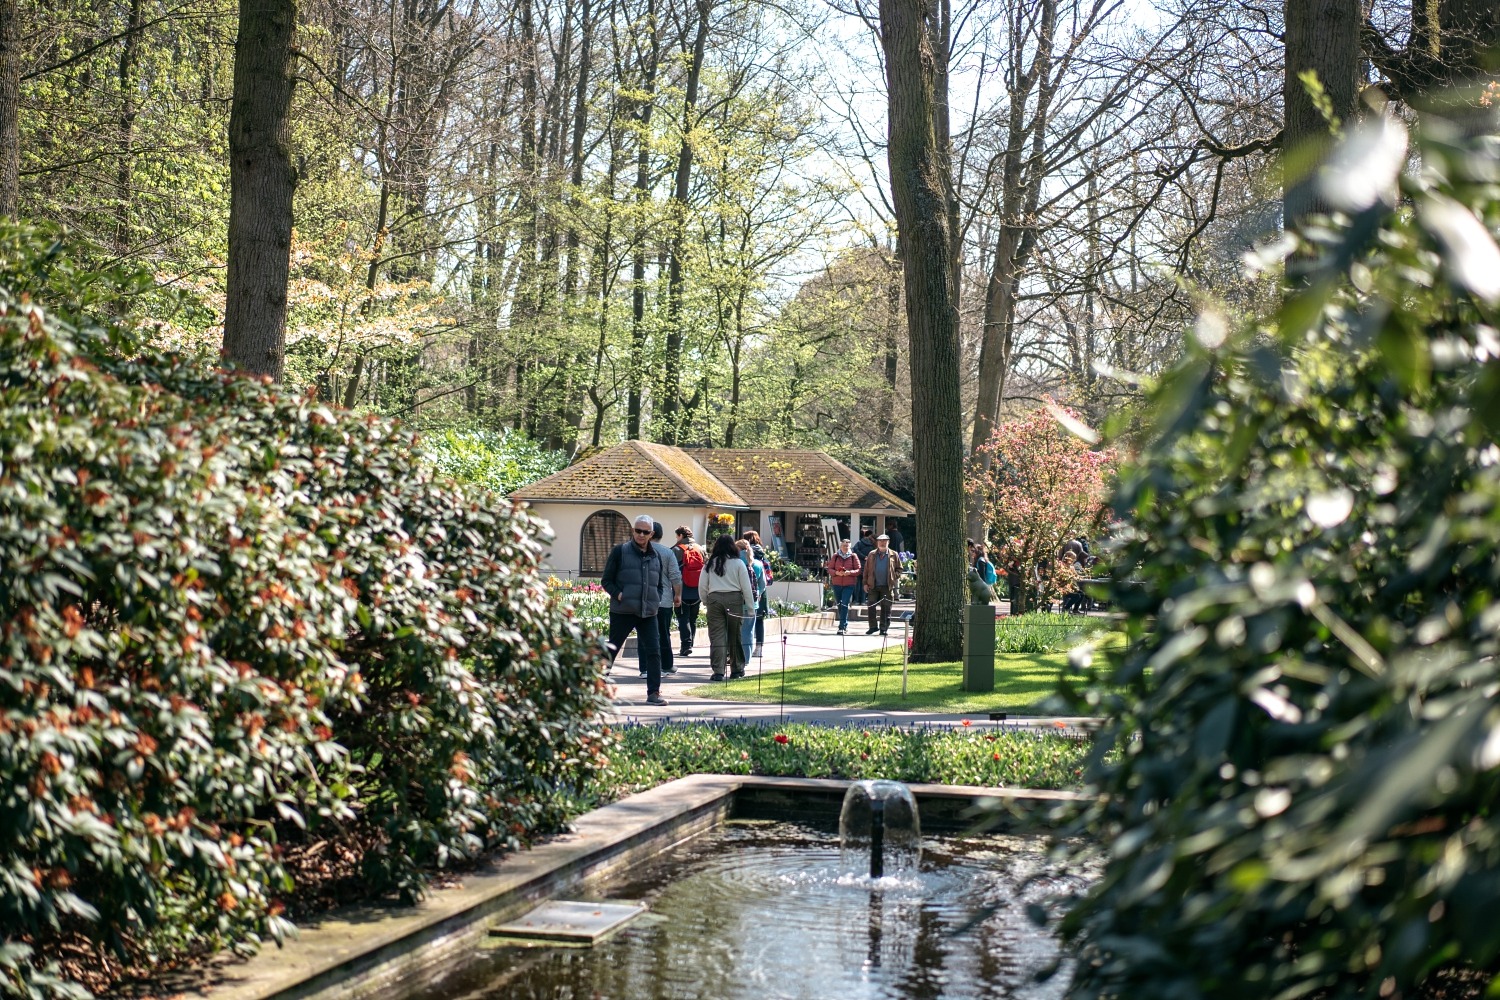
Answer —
1022 681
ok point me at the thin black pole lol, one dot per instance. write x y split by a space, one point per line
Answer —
783 676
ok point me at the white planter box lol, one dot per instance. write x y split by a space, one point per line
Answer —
804 592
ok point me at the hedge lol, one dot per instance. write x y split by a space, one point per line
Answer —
237 623
1307 717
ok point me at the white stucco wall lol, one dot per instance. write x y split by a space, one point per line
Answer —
567 520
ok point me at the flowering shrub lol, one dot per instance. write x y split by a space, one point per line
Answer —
1040 486
587 599
234 623
719 524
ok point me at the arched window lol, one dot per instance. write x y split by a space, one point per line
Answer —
602 531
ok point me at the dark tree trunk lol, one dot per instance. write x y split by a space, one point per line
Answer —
10 109
922 194
671 395
1322 36
261 182
636 376
892 370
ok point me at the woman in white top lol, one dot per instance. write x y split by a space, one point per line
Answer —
727 599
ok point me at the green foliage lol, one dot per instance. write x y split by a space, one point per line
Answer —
235 621
502 461
1309 735
1044 632
650 755
784 570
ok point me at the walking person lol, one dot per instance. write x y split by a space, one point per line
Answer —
881 572
843 573
633 578
758 591
762 591
727 600
671 598
690 560
863 548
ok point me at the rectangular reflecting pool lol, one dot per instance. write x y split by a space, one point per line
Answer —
758 910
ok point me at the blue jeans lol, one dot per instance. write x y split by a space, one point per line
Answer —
843 594
747 633
647 645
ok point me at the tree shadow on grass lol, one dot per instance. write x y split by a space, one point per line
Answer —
1022 682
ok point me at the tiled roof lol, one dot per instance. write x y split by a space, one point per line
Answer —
635 471
765 478
775 479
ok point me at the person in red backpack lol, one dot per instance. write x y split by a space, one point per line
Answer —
690 560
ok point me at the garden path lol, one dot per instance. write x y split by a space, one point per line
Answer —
813 645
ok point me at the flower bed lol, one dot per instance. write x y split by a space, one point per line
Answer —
647 755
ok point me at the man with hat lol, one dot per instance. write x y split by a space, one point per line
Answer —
882 570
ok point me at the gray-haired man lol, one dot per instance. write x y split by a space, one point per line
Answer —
634 578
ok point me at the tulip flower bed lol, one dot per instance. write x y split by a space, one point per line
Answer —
644 756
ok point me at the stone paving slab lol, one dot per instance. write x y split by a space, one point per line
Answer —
570 920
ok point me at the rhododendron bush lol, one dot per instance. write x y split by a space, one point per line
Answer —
1039 485
237 623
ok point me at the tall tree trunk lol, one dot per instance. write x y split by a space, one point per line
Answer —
10 109
124 172
1322 36
892 370
261 183
671 395
922 194
1020 187
636 376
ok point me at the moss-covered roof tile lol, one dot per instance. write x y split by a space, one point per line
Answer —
636 471
767 478
807 480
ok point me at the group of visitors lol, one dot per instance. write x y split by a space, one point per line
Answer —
1075 554
646 581
870 576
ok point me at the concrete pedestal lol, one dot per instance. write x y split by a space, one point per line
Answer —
979 647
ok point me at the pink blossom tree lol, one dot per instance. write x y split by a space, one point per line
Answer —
1042 486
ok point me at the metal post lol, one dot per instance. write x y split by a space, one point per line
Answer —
905 653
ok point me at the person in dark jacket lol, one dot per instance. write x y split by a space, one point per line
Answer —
671 598
634 578
862 548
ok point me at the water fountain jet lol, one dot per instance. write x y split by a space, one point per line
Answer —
879 821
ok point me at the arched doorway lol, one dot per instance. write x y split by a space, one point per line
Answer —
602 531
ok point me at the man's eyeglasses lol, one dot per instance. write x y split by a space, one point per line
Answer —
643 531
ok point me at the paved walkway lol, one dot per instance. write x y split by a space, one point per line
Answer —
808 639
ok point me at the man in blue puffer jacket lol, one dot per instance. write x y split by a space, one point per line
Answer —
633 578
